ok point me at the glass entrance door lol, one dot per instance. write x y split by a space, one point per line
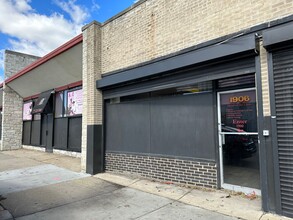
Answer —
238 138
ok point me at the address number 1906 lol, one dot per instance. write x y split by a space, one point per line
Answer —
240 99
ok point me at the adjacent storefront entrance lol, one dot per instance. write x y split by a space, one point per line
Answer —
47 131
238 138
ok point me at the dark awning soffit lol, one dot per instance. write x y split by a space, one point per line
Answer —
226 48
278 35
60 70
42 102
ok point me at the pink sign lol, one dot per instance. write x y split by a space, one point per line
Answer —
27 111
74 102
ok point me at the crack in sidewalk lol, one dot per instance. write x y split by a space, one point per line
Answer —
169 203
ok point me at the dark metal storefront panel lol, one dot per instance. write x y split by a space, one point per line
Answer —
186 77
170 126
36 133
26 135
44 130
283 87
74 134
146 126
128 127
50 130
177 126
67 133
60 133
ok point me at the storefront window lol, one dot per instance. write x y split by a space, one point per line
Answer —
192 89
68 103
239 81
238 111
59 104
74 102
27 111
196 88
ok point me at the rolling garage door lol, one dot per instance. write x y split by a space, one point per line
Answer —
283 85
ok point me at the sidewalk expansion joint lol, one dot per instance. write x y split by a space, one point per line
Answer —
7 215
145 214
68 203
173 200
133 183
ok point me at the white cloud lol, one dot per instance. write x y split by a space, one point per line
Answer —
1 63
1 79
28 26
22 5
33 33
2 58
95 6
77 13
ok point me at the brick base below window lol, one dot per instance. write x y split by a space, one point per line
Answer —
196 173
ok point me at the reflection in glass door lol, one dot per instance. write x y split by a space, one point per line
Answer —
238 138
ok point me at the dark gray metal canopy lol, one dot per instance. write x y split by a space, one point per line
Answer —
278 35
42 102
228 47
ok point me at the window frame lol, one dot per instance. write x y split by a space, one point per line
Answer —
65 103
32 104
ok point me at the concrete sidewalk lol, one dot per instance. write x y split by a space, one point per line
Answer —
41 190
225 202
40 185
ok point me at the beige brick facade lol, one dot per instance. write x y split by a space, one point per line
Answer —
92 98
265 80
159 27
155 28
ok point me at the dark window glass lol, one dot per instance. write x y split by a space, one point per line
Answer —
196 88
243 81
59 104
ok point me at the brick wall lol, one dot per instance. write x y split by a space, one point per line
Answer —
12 103
197 173
14 62
11 120
265 80
158 27
154 28
92 98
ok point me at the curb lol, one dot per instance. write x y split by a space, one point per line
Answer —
221 201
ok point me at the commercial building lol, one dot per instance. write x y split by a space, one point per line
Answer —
193 92
45 98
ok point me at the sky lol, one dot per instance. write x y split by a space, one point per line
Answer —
37 27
